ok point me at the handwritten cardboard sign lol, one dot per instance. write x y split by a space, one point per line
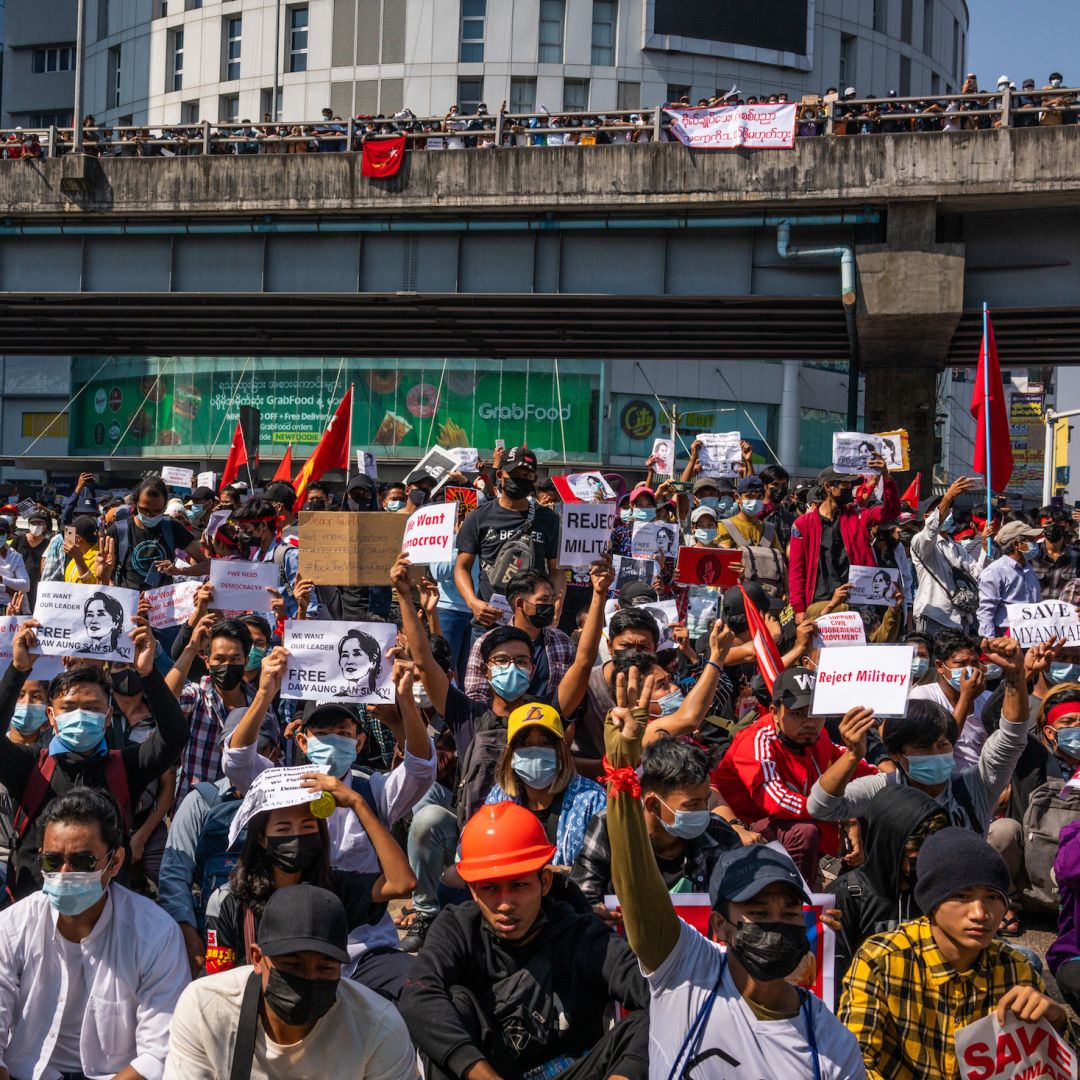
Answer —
839 628
339 548
872 675
1033 624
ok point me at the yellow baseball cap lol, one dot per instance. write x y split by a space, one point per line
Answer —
534 714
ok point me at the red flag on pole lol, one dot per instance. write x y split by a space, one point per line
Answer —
237 457
911 496
989 394
382 157
332 451
284 470
768 655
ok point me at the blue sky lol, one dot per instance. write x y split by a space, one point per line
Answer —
1022 39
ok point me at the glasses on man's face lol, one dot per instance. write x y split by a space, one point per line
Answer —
52 862
502 660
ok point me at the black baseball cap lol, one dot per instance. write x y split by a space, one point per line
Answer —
304 918
750 483
333 711
831 476
732 600
204 494
517 457
281 491
794 688
741 873
637 592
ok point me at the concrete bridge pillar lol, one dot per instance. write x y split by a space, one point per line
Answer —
911 297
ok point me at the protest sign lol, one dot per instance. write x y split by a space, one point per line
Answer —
45 667
665 612
627 570
692 908
872 585
216 520
873 675
1034 624
25 507
207 480
435 466
85 620
466 457
466 499
176 477
349 549
894 449
585 535
663 454
429 533
241 585
366 464
652 538
719 453
273 789
173 604
586 487
727 127
839 628
499 601
852 451
1015 1050
339 661
707 566
815 971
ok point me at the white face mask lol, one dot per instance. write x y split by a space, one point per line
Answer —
37 530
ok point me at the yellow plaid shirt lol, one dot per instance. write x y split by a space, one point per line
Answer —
904 1002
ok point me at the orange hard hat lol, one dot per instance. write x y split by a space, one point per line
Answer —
503 840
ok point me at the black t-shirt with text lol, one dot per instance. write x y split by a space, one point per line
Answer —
146 547
490 526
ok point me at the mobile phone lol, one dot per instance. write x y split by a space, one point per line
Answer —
500 444
69 534
682 485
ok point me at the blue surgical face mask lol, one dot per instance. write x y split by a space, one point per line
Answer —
670 703
255 657
334 752
753 507
509 681
644 513
74 892
150 522
947 524
688 824
394 505
1068 740
1060 672
919 666
957 673
930 768
28 718
625 515
1031 552
193 512
535 766
992 672
712 501
81 730
705 536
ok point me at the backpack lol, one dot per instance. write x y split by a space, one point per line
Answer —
215 857
477 772
762 562
517 554
123 546
1046 815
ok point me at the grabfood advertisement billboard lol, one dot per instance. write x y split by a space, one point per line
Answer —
189 406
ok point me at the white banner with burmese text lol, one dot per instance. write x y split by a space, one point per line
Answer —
756 126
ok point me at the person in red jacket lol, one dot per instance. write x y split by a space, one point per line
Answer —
835 535
770 767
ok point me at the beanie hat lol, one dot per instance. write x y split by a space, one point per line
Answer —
952 860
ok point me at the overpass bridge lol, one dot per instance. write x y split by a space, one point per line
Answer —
617 252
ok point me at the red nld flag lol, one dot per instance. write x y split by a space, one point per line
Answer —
237 457
332 451
768 655
382 157
989 394
284 470
911 496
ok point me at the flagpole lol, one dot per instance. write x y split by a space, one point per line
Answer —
986 421
348 447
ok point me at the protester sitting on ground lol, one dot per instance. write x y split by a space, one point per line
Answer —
291 1013
514 981
909 990
89 972
735 1004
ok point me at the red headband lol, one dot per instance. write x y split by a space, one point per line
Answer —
1063 708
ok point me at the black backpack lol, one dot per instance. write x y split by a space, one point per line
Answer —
517 554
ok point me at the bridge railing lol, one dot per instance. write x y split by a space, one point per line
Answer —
861 116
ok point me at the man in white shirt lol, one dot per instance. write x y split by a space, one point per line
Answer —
290 1013
89 972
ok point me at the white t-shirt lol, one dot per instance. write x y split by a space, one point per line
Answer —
65 1056
362 1036
738 1045
972 735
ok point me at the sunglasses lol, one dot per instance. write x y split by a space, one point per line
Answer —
84 862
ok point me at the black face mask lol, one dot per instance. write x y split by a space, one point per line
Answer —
514 487
543 616
316 504
126 682
294 854
845 496
359 504
1054 533
226 676
297 1000
770 950
418 496
778 494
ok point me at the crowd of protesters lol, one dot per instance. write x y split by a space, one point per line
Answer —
482 876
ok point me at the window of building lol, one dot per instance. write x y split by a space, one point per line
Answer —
234 28
935 84
522 95
906 17
191 5
552 20
905 76
52 118
266 98
298 38
473 14
881 16
470 92
928 27
189 112
603 33
628 95
54 425
847 61
55 58
114 75
676 91
163 9
176 59
228 108
956 48
575 95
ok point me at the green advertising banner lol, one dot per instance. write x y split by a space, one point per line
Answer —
189 406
